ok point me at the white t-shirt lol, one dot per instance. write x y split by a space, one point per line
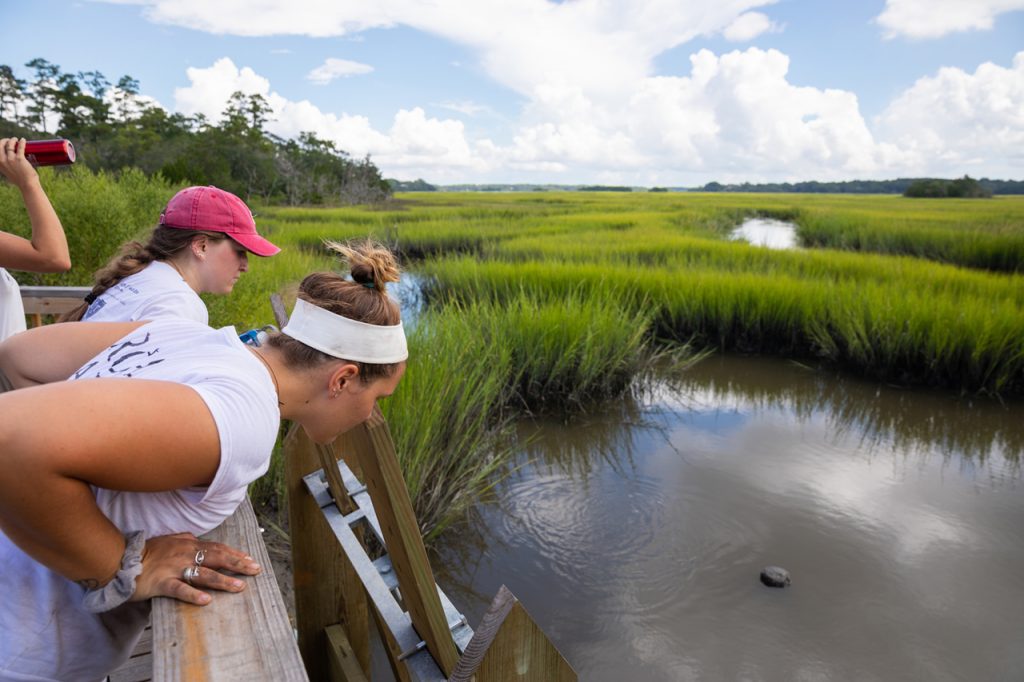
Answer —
154 292
44 632
12 312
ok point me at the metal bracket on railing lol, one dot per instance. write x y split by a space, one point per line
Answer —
380 581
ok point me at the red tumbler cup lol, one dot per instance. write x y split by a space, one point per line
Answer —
50 152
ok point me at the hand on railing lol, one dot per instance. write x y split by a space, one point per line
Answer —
181 566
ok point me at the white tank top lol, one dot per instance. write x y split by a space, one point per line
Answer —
12 312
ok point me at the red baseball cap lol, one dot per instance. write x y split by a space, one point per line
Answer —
214 210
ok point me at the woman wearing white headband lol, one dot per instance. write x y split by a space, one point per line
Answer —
124 433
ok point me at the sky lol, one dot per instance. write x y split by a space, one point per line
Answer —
629 92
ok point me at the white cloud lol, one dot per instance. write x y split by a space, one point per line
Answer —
598 46
734 117
124 105
594 111
748 26
336 68
956 122
414 142
936 18
211 87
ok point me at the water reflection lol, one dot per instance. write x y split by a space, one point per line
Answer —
774 234
408 292
892 420
635 535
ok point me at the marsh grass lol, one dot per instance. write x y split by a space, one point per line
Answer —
479 365
544 301
984 235
969 337
448 418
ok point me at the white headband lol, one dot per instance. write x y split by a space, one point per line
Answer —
341 337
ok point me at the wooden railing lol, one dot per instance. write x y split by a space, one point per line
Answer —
425 637
342 589
51 301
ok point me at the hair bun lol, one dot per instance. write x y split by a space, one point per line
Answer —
372 264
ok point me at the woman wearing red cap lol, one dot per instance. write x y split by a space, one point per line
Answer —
201 245
161 426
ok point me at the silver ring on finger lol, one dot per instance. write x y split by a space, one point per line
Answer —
190 573
200 555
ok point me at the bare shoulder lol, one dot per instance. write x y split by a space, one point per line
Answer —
52 352
123 434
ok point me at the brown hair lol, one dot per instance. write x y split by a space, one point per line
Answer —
133 257
364 298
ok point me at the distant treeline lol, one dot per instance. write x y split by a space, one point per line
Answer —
898 186
113 127
418 185
961 188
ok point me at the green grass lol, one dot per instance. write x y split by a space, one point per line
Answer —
984 234
904 318
448 419
958 336
548 301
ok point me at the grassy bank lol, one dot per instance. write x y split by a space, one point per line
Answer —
544 301
498 267
983 234
900 318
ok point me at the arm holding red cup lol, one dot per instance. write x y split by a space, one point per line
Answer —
47 251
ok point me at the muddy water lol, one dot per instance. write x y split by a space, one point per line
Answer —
635 536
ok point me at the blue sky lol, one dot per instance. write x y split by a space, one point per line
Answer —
669 92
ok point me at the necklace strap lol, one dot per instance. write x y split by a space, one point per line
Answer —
273 375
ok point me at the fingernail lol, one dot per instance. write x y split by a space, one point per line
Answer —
204 598
237 584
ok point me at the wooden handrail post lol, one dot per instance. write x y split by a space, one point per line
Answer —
386 485
327 591
508 645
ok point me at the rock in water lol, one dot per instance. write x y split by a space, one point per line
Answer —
774 576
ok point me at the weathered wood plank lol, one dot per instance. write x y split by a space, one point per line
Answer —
343 664
138 668
335 484
77 293
383 478
508 645
411 662
49 306
51 300
461 631
244 636
327 591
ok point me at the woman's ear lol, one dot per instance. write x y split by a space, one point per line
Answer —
342 375
199 245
